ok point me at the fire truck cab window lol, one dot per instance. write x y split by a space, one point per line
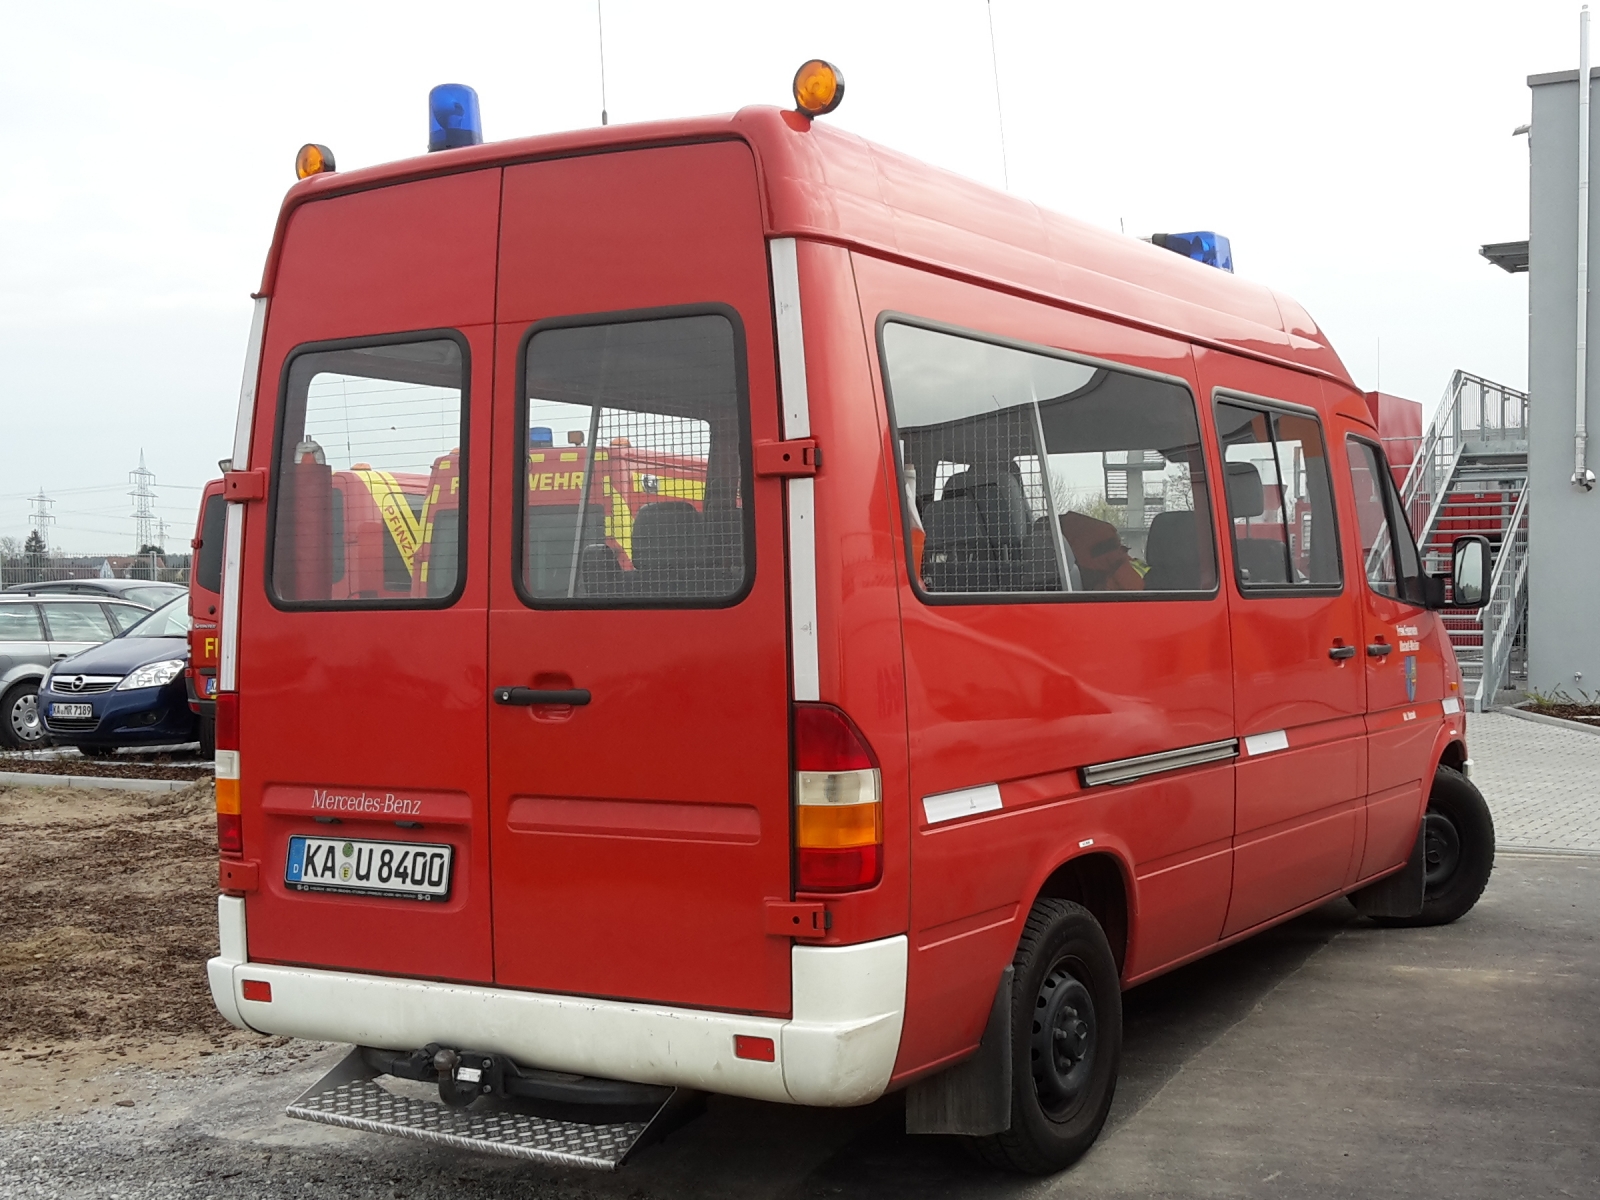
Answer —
368 472
1384 536
636 465
1280 500
1024 472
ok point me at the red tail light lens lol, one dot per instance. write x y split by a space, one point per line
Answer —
228 721
230 834
838 797
827 740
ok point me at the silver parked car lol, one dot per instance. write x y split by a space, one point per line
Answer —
36 631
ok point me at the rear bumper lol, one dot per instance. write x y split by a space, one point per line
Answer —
838 1049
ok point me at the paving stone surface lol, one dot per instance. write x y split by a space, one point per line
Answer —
1542 782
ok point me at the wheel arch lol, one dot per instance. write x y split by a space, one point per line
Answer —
1101 882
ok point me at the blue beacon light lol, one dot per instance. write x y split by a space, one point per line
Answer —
1203 246
453 117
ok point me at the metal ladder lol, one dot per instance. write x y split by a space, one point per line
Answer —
1470 475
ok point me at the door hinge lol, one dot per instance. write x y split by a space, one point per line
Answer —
239 486
799 457
236 875
798 919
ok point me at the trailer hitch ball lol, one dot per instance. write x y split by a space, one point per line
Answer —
458 1085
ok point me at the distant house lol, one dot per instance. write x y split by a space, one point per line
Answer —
130 566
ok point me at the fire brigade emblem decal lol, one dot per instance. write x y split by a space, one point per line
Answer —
1411 679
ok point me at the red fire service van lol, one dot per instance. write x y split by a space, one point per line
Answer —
205 603
849 625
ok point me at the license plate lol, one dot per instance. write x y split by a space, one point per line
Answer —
72 710
398 870
210 685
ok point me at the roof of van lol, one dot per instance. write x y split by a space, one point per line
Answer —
820 182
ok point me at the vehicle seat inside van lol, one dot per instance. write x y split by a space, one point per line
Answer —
979 534
669 550
1172 548
1260 560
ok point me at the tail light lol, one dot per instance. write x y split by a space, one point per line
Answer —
230 831
838 796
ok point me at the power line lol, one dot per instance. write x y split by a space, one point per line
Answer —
999 109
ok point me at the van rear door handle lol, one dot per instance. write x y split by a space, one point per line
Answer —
1338 652
525 696
1378 649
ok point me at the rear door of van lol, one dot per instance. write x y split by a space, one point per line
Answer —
361 711
638 735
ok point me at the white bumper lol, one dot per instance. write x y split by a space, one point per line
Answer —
838 1049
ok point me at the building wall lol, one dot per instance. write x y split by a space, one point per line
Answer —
1563 522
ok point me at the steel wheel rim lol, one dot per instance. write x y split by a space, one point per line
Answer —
1441 850
25 721
1062 1043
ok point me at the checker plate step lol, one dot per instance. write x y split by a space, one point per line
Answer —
349 1096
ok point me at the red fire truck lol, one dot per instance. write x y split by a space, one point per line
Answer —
747 723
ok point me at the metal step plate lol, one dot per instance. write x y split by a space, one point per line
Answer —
350 1096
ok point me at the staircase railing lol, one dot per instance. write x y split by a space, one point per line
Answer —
1508 601
1474 410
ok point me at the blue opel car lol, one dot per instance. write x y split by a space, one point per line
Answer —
125 692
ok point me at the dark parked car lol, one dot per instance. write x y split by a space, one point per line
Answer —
126 692
36 631
145 592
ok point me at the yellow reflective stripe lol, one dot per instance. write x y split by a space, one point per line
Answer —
619 520
397 516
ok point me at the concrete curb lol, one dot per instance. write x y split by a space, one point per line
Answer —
29 779
1559 722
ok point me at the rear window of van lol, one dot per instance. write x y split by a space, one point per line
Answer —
637 464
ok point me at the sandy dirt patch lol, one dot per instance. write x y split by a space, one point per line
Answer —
107 915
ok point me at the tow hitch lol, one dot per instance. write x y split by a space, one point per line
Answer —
489 1103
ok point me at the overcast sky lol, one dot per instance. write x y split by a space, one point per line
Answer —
1357 154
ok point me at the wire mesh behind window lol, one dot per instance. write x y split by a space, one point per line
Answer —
371 439
1280 498
635 464
1030 473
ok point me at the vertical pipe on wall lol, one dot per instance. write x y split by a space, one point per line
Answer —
1582 476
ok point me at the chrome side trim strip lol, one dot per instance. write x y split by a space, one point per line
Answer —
1124 770
801 492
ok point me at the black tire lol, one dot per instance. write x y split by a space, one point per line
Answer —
208 736
21 724
1458 851
1066 1040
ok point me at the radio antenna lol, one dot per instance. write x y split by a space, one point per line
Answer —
600 24
999 109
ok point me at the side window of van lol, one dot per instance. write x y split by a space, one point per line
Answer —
1027 472
637 464
1280 499
361 428
1393 566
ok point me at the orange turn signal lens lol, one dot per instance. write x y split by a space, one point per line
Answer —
313 160
818 88
837 826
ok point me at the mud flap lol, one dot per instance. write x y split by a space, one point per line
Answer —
973 1097
350 1096
1400 894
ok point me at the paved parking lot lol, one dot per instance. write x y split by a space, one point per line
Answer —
1325 1058
1542 781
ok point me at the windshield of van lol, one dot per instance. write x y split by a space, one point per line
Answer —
171 620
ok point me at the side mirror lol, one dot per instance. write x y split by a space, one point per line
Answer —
1470 572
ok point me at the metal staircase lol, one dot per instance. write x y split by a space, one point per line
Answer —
1471 476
